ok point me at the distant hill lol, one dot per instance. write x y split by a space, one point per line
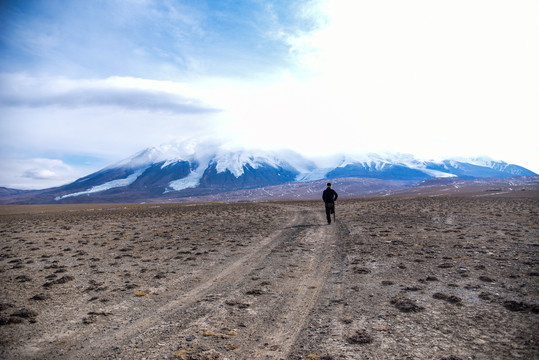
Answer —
182 171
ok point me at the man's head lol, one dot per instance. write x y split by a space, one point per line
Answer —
329 185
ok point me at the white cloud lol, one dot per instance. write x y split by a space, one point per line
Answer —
421 77
97 115
39 174
36 173
20 90
430 78
108 119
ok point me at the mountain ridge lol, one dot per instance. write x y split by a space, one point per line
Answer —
183 170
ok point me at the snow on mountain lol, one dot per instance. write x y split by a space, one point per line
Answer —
437 173
167 154
210 163
499 165
316 174
190 181
205 167
106 186
236 161
226 158
478 168
387 166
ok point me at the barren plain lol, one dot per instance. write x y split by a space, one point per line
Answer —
392 278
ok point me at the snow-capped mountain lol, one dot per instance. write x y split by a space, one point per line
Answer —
180 170
190 168
406 167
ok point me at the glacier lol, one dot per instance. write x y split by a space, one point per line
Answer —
106 186
190 181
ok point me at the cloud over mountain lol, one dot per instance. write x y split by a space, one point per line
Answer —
102 80
186 170
127 93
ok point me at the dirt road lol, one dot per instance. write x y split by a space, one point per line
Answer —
406 279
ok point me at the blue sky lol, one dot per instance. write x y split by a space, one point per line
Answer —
84 84
161 40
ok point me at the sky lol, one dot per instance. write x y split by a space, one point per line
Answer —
85 84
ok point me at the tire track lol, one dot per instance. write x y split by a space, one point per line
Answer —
306 290
292 280
279 291
90 345
330 315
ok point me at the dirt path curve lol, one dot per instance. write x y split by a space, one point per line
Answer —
253 308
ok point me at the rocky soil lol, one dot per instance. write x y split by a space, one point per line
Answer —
393 278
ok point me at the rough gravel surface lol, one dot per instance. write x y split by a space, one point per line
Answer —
407 278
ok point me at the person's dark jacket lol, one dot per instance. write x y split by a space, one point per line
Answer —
329 195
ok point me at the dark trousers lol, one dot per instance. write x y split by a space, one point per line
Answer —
330 209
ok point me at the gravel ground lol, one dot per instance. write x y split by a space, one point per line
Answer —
392 278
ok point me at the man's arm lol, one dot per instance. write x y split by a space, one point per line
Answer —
336 195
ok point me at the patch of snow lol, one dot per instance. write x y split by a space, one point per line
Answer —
106 186
483 161
317 174
296 161
170 153
379 162
203 158
190 181
436 173
454 164
170 162
235 161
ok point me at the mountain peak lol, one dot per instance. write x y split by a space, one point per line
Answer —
181 169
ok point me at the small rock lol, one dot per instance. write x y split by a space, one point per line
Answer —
406 305
25 313
449 298
39 297
23 278
11 320
360 337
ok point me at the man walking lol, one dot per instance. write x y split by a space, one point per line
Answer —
329 196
